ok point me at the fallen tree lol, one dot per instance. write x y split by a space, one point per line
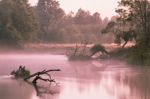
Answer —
42 73
23 73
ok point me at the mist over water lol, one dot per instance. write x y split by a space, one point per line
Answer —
94 79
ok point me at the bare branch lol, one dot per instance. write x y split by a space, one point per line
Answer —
41 73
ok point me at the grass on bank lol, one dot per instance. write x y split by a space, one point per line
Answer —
132 55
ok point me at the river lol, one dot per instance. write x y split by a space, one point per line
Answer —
92 79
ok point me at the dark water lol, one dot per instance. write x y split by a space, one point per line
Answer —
95 79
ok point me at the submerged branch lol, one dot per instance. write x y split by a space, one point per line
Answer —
41 73
21 72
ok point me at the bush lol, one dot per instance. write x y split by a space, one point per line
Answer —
139 57
98 48
79 57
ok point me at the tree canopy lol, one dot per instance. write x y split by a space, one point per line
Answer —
73 27
135 15
17 22
133 21
48 22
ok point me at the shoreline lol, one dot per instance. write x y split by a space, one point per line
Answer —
48 48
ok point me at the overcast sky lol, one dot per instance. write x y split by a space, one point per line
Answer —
104 7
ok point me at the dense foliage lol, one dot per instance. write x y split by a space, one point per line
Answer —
135 14
57 26
71 28
47 22
17 22
133 23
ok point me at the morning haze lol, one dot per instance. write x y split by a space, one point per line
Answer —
75 49
105 7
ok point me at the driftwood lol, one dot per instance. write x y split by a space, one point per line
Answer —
38 77
25 74
41 73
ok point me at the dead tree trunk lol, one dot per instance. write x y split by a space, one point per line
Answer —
41 73
25 74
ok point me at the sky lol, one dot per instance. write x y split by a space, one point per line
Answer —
106 8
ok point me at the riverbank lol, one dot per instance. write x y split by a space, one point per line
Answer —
54 48
129 54
132 55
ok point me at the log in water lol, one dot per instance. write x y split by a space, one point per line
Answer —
95 79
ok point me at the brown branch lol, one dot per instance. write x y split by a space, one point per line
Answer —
41 73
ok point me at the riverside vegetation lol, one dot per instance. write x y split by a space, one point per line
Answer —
21 24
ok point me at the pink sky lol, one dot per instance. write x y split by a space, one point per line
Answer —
104 7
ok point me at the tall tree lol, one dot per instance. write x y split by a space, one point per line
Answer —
48 13
96 18
135 14
82 17
17 22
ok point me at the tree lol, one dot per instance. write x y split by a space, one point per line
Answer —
132 16
82 17
49 15
96 18
17 22
135 14
98 48
120 34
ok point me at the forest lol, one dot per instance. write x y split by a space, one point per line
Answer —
47 22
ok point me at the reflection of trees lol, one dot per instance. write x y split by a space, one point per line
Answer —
118 82
138 84
113 82
14 89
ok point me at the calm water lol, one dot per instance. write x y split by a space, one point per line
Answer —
95 79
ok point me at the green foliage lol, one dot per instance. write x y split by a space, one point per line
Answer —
83 17
117 39
135 11
139 57
71 28
134 15
98 48
109 28
17 22
132 55
49 15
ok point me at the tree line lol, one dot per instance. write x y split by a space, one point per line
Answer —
21 23
48 23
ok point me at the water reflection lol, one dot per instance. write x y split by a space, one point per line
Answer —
108 86
15 89
34 96
78 79
105 88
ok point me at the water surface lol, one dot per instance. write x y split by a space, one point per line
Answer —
95 79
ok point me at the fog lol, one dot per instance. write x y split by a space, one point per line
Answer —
107 79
